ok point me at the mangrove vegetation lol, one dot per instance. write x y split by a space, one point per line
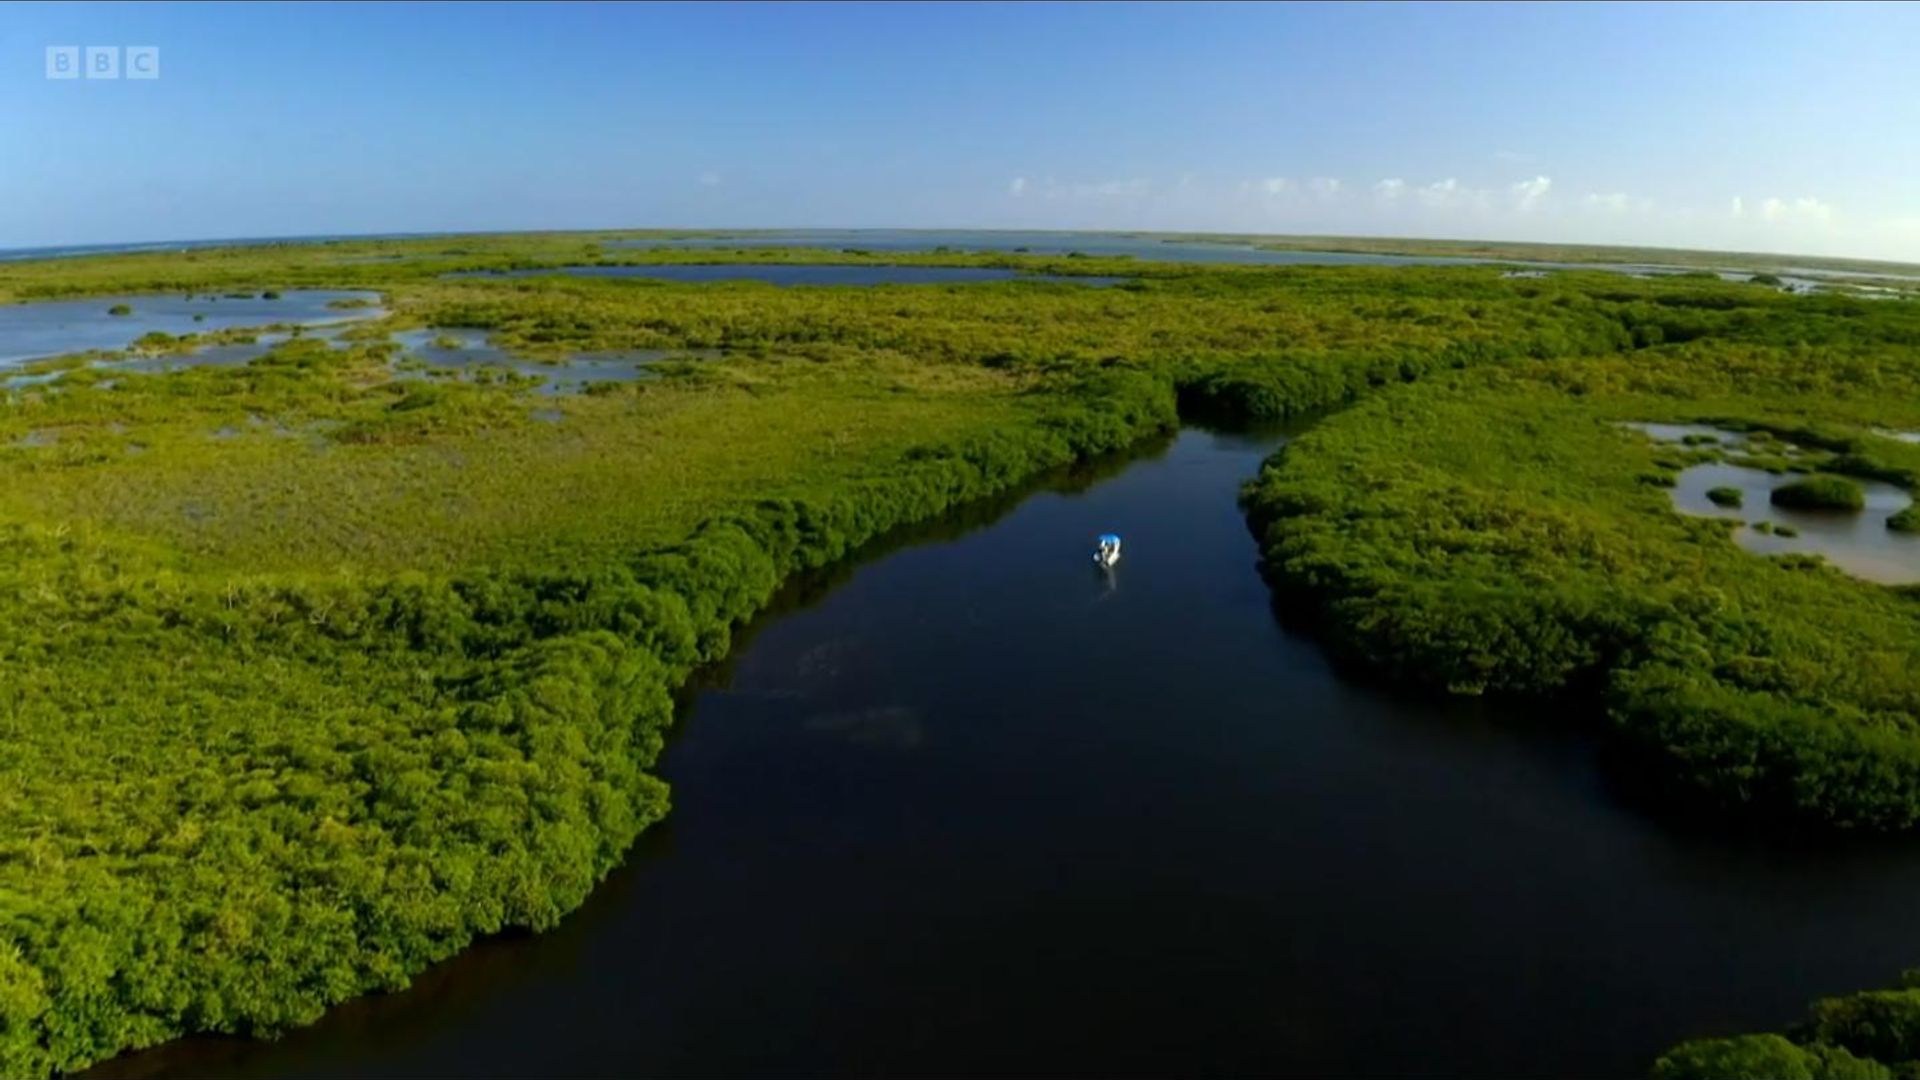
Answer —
322 665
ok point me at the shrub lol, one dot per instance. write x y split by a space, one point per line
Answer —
1822 492
1884 1024
1725 496
1763 1057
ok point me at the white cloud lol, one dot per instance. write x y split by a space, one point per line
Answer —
1440 193
1528 193
1135 188
1529 206
1804 210
1451 196
709 179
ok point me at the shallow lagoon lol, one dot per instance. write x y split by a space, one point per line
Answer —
41 329
1859 543
461 353
467 353
804 274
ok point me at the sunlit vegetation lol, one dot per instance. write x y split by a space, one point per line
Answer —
1725 496
1764 1057
316 673
1493 532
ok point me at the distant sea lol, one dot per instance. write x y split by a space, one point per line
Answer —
70 250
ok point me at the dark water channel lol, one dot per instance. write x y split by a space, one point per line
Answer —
974 807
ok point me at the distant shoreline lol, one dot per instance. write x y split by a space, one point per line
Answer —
1493 250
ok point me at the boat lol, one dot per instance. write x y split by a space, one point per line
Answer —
1107 550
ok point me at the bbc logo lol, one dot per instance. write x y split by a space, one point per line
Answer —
103 62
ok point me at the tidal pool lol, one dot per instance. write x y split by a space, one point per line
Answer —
1699 434
36 330
973 807
468 352
1859 543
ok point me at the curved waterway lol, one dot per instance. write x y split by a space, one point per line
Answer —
972 807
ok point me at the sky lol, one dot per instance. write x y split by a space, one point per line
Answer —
1762 127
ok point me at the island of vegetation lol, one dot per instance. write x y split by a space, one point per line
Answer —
323 665
1819 493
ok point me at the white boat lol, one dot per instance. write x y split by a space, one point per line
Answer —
1107 550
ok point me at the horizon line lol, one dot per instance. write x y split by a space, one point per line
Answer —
14 252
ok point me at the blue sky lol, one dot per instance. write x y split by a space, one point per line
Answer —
1763 127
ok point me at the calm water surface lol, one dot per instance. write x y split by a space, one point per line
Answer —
467 353
56 328
974 807
1859 543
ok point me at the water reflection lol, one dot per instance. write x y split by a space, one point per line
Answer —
469 353
1859 543
960 808
44 329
